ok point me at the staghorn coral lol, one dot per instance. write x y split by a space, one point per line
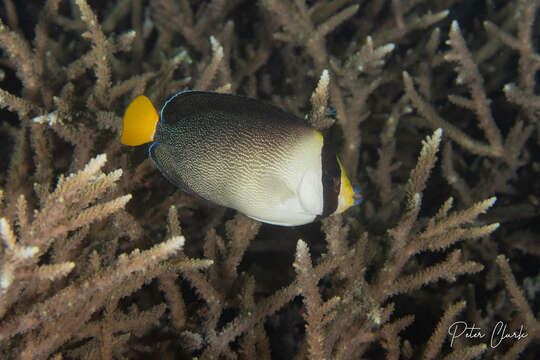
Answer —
433 244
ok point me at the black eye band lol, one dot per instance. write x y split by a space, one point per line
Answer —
331 179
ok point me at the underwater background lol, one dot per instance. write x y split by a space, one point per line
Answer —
433 108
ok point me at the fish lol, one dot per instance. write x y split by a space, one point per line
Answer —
242 153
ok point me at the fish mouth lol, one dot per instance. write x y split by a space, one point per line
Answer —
357 197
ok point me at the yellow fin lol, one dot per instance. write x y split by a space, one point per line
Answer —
140 121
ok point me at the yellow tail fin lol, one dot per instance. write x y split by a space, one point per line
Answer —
140 121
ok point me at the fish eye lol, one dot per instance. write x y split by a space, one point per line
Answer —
329 181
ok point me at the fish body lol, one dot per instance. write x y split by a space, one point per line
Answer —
247 155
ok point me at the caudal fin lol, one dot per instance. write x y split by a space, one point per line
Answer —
140 120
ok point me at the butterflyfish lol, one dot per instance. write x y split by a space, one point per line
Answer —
242 153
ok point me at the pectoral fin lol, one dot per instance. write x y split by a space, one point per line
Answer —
281 194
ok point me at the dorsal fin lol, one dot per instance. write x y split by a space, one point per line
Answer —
202 103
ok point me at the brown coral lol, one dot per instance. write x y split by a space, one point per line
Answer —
384 280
